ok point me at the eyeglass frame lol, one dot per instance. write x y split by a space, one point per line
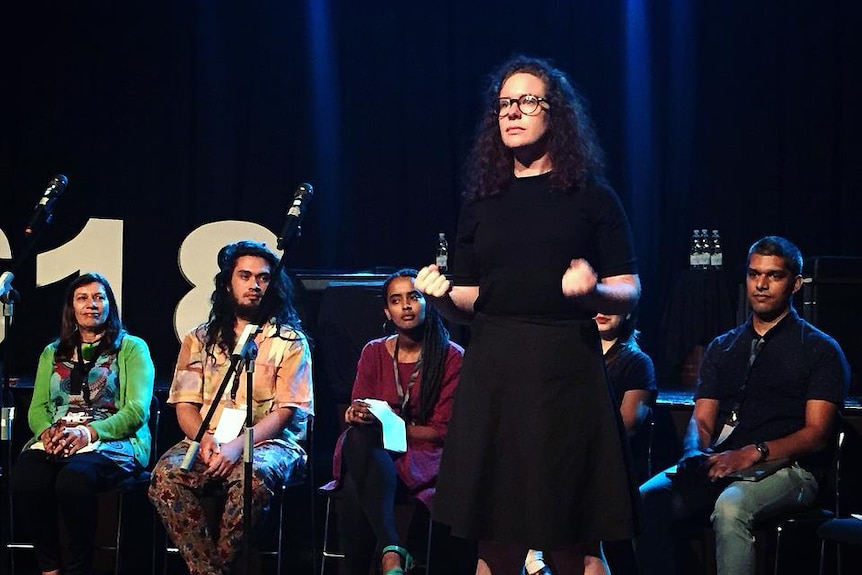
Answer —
517 102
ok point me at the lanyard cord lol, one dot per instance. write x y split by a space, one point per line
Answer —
79 382
756 345
402 395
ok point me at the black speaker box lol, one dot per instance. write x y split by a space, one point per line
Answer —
831 299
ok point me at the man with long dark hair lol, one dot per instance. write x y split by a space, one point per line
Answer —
282 402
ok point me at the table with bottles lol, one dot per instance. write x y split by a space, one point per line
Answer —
699 307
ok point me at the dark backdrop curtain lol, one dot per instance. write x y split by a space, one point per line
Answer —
740 116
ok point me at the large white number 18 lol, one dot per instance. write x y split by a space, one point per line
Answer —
99 247
197 259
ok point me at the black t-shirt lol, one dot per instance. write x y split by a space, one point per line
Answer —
796 363
629 368
516 245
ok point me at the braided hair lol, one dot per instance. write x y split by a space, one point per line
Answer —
435 349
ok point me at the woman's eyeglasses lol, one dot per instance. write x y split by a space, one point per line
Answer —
528 104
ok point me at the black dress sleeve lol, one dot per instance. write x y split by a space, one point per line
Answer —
465 267
614 243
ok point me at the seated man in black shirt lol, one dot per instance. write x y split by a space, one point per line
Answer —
769 389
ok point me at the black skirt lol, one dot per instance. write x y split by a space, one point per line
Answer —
534 451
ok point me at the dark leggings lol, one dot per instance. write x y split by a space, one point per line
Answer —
42 486
370 486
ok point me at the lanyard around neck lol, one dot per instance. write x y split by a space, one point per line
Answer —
79 383
756 346
403 395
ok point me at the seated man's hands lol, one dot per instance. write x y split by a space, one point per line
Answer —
224 458
692 460
209 447
720 465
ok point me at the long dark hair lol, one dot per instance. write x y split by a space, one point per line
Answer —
69 334
435 349
573 146
222 318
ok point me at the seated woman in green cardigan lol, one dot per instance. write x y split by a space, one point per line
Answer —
89 415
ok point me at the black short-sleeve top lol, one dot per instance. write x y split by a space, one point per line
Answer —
797 363
517 244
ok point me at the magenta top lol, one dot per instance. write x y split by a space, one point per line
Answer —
375 379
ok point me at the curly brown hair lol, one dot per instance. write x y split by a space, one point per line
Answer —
573 146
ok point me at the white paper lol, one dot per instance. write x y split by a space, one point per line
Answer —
229 424
394 429
856 515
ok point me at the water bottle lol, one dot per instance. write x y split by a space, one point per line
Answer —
706 249
715 258
442 253
694 250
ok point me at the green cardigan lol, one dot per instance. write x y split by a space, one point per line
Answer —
137 375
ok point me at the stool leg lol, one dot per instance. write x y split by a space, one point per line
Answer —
838 562
777 549
280 533
120 501
324 555
822 556
428 546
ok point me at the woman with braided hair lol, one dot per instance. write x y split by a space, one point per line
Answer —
415 371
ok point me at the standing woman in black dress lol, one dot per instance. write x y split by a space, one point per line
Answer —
534 455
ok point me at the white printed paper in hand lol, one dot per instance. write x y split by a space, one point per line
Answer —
394 429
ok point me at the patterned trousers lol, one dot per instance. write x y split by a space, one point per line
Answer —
177 493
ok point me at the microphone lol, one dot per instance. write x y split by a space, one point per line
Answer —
42 213
294 215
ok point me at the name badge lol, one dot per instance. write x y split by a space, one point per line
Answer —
727 429
230 424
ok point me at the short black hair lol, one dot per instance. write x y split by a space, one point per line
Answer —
780 247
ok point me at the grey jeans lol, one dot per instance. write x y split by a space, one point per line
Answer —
735 508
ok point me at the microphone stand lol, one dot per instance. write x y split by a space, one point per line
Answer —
244 351
248 454
9 296
7 422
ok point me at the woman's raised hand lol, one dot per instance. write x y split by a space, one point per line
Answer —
579 279
432 283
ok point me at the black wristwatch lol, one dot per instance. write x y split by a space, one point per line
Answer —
763 449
